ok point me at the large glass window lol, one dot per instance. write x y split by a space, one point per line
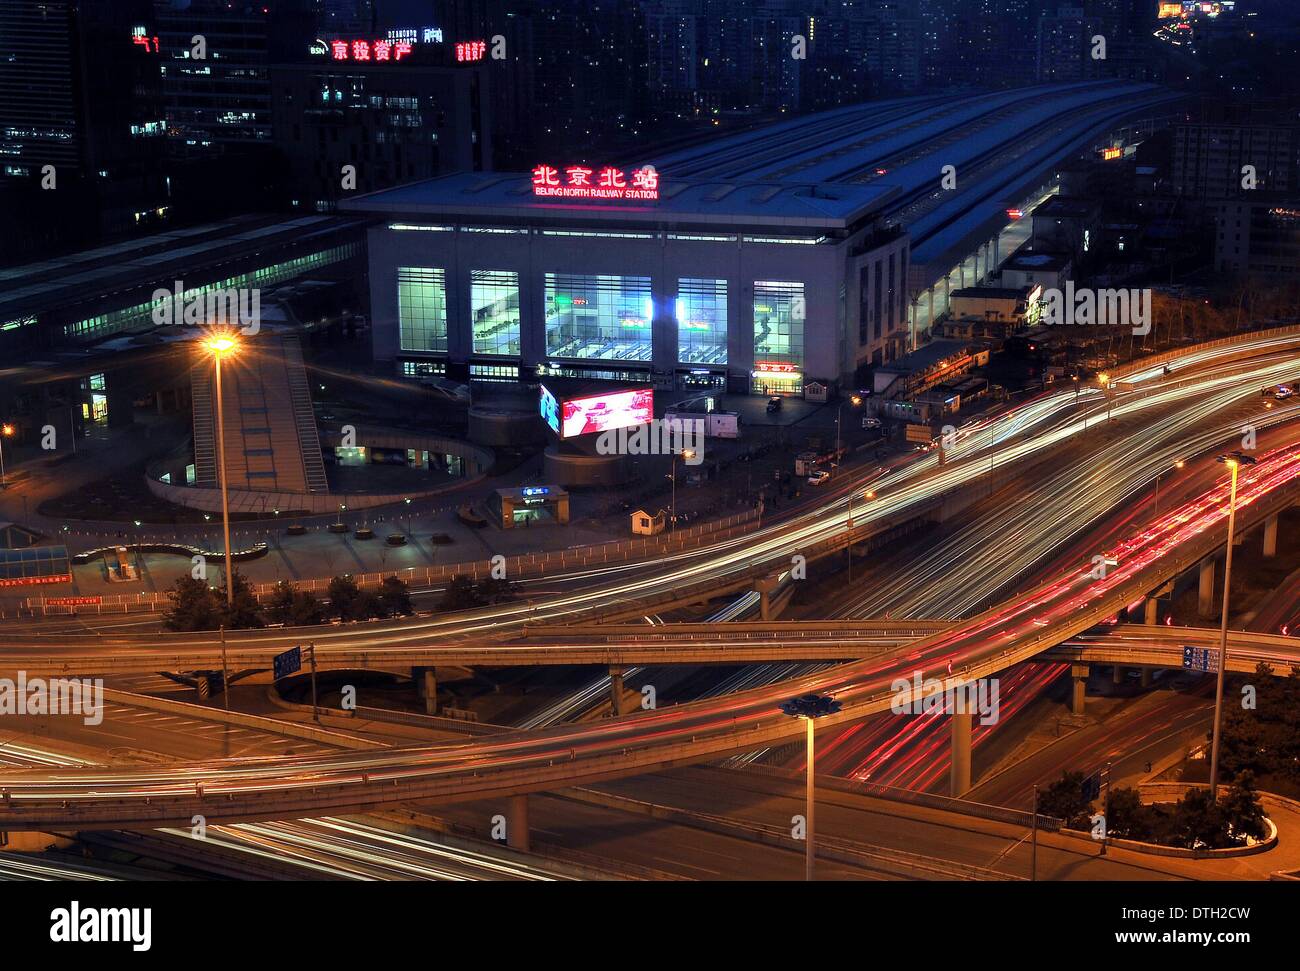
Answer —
599 317
779 310
422 308
494 309
701 321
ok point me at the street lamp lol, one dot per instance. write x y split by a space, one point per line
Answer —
809 708
854 400
868 496
688 454
1234 461
6 431
1104 378
221 346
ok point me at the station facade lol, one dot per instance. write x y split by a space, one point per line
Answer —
755 288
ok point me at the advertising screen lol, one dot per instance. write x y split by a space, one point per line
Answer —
603 412
549 408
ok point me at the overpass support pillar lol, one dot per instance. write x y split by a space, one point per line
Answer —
1146 677
1270 536
764 586
1117 675
517 823
616 689
961 727
1205 600
1152 612
1079 688
426 686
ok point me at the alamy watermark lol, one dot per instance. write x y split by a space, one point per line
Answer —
946 696
1084 307
57 696
211 307
684 437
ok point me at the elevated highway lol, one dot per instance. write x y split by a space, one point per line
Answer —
517 763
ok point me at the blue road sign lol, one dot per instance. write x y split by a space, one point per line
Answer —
287 663
1200 658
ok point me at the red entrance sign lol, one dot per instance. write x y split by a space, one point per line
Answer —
71 601
581 182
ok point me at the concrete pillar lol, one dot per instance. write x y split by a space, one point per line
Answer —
1146 677
764 586
616 690
961 726
1205 601
1270 536
1079 677
429 689
1117 675
1153 612
517 823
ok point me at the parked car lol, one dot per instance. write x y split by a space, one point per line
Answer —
871 423
1283 392
774 403
818 478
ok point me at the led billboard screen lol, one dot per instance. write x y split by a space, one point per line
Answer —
597 413
549 408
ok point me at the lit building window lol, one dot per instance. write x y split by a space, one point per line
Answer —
494 309
701 321
779 310
422 308
599 317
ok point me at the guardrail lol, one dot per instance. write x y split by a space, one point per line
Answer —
516 567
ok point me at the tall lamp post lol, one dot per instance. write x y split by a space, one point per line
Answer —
688 454
221 346
1234 461
1105 388
810 708
839 414
6 431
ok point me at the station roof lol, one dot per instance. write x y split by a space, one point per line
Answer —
726 203
925 357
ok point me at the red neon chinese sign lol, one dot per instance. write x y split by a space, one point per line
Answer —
581 182
368 50
150 44
472 50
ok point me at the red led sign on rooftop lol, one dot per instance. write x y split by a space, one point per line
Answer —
580 182
366 50
472 50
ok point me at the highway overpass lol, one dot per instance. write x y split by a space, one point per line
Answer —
514 764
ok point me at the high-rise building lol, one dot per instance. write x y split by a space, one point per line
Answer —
1236 149
81 126
391 122
216 59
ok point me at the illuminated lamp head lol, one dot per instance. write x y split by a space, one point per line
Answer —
220 345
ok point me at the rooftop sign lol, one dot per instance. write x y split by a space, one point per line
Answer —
580 182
